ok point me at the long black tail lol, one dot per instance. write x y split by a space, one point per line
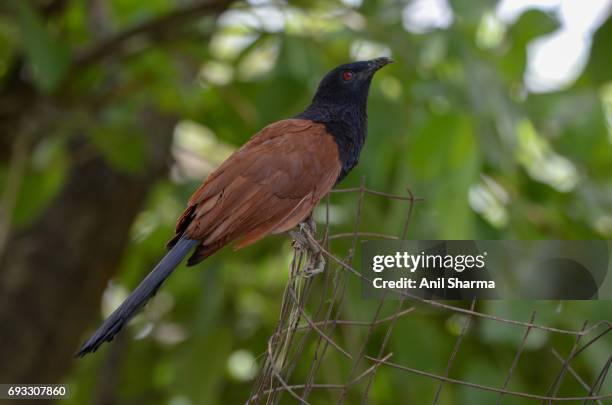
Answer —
139 297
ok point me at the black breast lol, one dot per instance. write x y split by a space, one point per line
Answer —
350 141
348 126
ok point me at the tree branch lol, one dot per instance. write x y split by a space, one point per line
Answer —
120 40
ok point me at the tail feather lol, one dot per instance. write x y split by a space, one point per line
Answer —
139 297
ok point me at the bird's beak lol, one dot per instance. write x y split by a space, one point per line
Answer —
378 63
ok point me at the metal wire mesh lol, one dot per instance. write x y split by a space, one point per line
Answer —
310 323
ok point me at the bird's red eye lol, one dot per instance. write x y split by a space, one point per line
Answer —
347 75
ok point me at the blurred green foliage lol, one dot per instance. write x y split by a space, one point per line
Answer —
451 120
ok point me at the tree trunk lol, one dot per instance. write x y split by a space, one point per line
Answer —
52 274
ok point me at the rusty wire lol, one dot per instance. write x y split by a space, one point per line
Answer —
310 321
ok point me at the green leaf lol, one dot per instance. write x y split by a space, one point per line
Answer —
44 178
530 25
123 150
599 62
445 161
48 57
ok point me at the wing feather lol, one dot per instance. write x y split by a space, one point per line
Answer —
267 186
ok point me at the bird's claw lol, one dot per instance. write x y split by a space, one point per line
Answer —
296 244
302 241
315 265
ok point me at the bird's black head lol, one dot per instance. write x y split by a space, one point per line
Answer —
348 84
340 103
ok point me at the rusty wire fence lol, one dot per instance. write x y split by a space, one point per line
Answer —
310 327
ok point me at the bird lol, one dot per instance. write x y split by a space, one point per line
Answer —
270 185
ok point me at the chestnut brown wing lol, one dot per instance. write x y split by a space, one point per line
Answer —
267 186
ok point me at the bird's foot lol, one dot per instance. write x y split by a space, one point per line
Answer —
300 241
308 226
303 240
303 235
315 265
